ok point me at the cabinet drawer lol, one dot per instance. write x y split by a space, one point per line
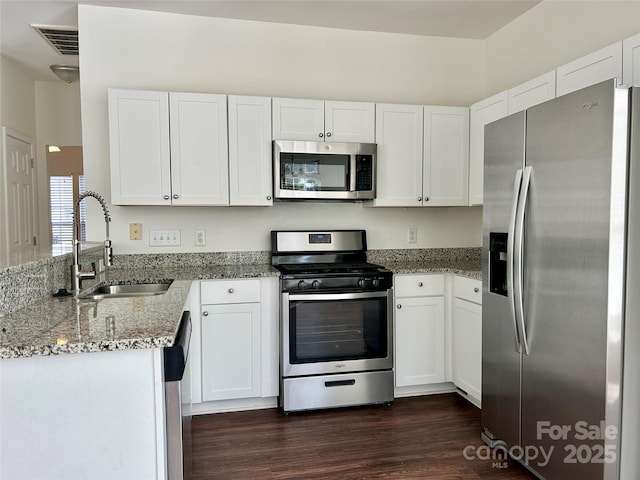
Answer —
418 285
230 291
468 289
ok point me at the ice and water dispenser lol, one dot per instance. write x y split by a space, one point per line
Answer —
498 263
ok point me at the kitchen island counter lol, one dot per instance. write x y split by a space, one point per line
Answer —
58 326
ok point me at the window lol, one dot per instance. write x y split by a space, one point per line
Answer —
62 200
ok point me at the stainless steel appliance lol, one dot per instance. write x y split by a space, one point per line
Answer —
336 321
178 403
561 330
324 170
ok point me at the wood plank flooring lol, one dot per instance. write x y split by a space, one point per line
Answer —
416 438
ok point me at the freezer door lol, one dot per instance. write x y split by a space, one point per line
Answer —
504 156
573 260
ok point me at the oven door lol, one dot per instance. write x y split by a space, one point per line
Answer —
337 332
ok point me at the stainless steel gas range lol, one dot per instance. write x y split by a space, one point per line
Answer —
336 321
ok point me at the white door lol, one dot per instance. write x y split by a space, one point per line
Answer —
467 347
399 138
446 156
631 61
594 68
199 151
349 122
298 119
19 202
533 92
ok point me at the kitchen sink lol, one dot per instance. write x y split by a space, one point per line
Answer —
126 290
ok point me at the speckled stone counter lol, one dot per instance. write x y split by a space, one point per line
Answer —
55 326
469 269
460 261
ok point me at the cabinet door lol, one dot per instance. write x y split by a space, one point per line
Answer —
446 156
419 341
467 347
399 130
250 164
532 93
349 122
486 111
231 357
631 61
199 155
139 147
590 69
298 119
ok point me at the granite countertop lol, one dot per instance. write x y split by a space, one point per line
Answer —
55 326
467 268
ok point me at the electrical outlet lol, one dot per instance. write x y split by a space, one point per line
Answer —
412 235
135 231
164 238
200 238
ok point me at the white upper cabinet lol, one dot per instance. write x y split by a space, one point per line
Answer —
481 113
631 61
446 156
399 130
533 92
168 149
250 164
317 120
199 155
590 69
139 147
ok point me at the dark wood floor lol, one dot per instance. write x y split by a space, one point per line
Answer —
416 438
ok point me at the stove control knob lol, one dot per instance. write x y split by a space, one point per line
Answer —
361 283
301 284
376 282
315 284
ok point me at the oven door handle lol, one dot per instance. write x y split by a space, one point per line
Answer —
337 296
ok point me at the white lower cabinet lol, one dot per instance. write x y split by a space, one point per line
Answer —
467 337
236 338
419 330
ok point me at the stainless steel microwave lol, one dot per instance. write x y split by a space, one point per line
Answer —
324 170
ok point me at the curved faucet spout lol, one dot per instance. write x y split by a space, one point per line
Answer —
76 274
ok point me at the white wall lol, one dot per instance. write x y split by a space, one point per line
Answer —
18 112
552 33
150 50
57 123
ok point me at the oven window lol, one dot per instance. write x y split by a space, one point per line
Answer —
314 172
328 330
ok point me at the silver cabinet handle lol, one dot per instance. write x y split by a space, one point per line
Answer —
175 196
321 134
205 314
268 197
231 290
398 306
476 289
419 199
166 197
426 199
419 284
328 134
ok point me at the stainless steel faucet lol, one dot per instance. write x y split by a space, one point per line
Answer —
77 275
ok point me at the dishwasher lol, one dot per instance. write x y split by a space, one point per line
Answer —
177 396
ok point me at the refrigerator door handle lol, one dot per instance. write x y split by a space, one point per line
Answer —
510 255
518 258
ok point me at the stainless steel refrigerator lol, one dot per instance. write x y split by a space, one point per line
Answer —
561 286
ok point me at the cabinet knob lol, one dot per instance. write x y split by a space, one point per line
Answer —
328 134
419 199
231 290
419 284
205 314
476 289
321 134
398 306
426 199
268 197
166 197
175 196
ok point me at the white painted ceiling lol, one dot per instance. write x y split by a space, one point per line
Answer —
476 19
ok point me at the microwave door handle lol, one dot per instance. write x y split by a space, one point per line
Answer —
351 174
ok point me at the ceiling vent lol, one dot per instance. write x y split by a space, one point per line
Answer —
63 40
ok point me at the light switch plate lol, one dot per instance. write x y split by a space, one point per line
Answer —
164 238
200 238
412 235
